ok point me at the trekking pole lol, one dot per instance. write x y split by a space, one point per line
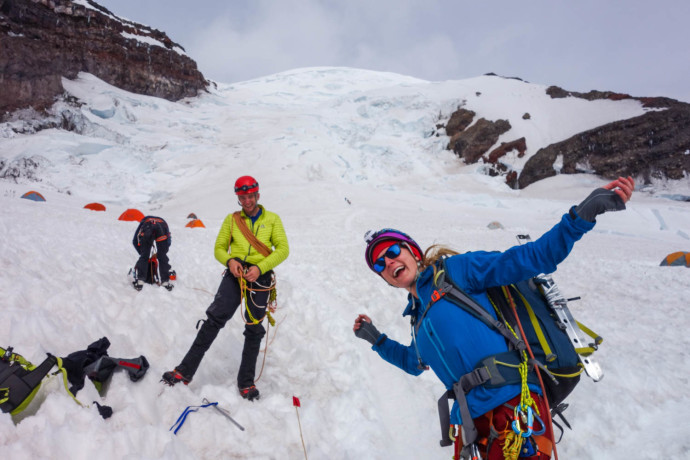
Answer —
224 413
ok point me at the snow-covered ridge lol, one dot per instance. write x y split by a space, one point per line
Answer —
377 126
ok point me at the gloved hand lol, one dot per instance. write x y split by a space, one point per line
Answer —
364 329
611 197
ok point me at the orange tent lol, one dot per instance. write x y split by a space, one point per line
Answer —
678 259
131 215
34 196
95 207
195 223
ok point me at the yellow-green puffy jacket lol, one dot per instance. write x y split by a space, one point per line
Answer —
268 229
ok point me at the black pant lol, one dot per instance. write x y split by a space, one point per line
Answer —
143 267
218 313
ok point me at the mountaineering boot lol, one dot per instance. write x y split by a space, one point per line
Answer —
138 285
250 393
173 377
168 285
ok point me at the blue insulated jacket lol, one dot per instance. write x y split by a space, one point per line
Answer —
451 341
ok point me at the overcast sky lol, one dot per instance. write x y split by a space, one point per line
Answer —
639 47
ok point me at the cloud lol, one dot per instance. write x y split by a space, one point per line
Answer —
633 47
272 37
265 40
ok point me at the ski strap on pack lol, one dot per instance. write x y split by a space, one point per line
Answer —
63 371
586 351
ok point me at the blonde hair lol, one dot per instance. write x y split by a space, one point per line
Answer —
433 254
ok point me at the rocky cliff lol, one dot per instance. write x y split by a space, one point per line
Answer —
42 41
655 145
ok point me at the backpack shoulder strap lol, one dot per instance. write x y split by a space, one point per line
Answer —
447 288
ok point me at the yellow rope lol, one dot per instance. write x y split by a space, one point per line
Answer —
526 397
513 441
512 445
270 307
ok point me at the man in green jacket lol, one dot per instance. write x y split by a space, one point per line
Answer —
243 245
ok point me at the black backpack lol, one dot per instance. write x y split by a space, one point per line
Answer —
20 380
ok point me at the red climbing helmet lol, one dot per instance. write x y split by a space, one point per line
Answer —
246 185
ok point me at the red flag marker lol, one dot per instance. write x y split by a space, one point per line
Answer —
296 403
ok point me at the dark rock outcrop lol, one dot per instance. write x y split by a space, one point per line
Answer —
497 167
471 143
558 93
42 41
459 121
650 102
518 144
653 145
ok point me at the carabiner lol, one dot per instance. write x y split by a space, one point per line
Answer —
527 417
516 421
471 452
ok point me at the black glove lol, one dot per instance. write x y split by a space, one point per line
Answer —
368 332
599 202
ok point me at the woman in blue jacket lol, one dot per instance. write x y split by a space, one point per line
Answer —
449 340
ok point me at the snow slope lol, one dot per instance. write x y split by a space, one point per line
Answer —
337 152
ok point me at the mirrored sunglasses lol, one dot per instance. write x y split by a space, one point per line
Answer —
392 252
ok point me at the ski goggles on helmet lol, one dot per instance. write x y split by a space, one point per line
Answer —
392 253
